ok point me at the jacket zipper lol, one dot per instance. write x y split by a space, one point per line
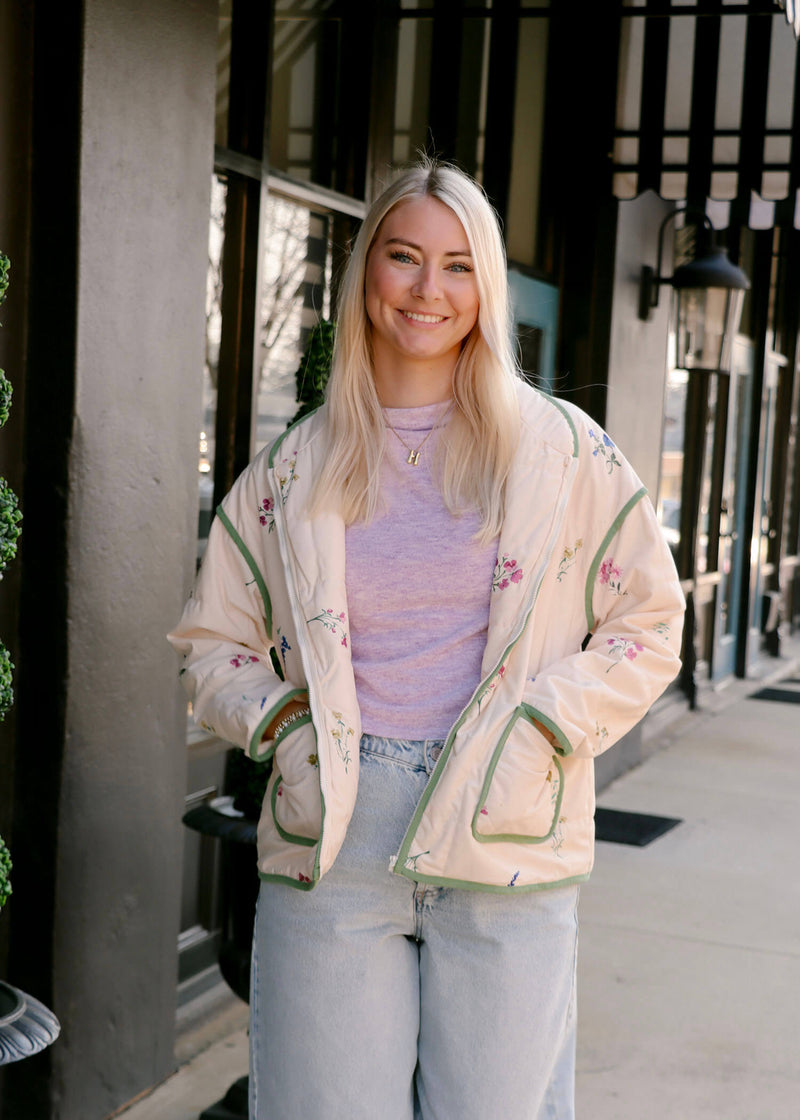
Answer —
397 863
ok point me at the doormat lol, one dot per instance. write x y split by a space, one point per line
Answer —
636 829
784 695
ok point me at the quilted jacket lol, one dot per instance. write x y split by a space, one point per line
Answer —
584 634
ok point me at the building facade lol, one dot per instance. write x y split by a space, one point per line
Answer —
179 182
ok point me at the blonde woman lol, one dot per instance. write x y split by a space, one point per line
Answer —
467 595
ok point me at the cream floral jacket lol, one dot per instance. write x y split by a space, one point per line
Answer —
584 633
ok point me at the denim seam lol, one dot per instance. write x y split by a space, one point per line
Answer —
395 761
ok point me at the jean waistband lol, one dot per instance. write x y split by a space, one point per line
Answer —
417 754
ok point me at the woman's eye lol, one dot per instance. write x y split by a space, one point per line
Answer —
459 266
403 257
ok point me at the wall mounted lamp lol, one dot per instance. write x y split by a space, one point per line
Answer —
710 291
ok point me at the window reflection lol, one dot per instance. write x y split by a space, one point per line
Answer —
672 455
296 293
306 63
206 442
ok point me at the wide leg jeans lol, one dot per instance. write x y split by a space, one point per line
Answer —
376 998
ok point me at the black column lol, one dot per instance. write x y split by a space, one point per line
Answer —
42 674
578 213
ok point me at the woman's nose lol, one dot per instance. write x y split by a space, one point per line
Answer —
426 283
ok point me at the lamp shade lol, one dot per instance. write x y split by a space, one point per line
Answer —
710 292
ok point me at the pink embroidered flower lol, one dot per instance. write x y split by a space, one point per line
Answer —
485 812
609 570
266 511
240 659
506 572
335 621
622 648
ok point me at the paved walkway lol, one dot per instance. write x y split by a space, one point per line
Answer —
690 947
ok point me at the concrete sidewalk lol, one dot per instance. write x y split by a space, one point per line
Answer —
689 964
689 972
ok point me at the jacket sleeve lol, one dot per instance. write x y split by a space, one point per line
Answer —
224 639
634 606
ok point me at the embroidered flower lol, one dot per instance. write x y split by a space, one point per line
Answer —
491 686
342 734
622 648
266 513
411 861
662 629
568 558
557 839
506 572
303 878
241 659
610 574
333 621
286 476
285 647
605 449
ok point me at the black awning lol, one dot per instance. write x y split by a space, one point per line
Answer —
708 107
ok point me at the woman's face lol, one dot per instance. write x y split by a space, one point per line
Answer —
421 294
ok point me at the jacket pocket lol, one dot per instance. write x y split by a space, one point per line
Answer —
523 789
296 799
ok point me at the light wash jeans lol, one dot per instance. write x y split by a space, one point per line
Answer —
375 998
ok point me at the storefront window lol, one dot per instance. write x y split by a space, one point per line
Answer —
223 73
297 267
306 65
426 117
206 442
669 505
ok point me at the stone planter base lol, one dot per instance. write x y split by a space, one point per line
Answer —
26 1025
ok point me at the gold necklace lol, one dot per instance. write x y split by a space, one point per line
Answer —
414 453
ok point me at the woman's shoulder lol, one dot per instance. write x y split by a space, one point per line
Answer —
545 418
301 436
572 432
285 458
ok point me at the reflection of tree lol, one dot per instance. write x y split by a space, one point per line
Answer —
216 238
286 272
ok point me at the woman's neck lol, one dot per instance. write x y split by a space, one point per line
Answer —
415 389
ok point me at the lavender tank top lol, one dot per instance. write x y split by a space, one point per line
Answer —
418 591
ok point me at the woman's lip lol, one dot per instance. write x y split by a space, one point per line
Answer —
429 318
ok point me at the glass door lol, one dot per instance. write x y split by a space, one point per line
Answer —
732 511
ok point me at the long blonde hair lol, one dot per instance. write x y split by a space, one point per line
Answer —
479 440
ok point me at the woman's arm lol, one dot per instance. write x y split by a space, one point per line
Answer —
227 667
585 702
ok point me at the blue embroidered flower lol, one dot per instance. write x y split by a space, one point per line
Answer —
605 448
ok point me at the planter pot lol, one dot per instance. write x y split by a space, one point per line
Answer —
26 1025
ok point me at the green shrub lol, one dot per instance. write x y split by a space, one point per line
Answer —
5 265
5 873
315 367
10 517
6 681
